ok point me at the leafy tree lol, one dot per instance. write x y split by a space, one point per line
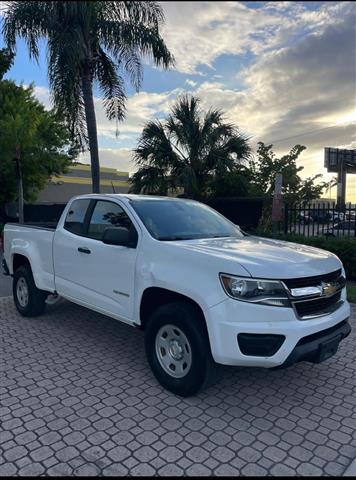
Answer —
187 150
266 166
232 184
264 169
34 144
6 60
89 42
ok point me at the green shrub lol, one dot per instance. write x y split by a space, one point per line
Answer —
344 248
351 293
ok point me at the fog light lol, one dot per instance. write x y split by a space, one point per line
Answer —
259 345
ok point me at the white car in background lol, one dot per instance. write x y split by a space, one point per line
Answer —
336 216
341 229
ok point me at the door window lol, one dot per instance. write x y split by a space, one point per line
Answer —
74 221
108 214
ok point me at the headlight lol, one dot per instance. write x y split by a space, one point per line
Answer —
265 292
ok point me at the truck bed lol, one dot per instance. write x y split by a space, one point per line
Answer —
34 242
38 225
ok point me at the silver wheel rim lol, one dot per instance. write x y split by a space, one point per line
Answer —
22 292
173 351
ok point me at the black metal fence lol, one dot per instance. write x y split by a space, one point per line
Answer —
309 220
245 212
320 220
43 212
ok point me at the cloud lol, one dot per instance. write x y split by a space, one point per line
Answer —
191 83
300 79
3 8
43 95
141 107
199 32
305 88
304 93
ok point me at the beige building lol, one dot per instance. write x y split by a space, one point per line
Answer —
78 181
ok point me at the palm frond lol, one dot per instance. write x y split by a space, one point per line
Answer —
147 12
195 146
29 20
138 37
112 86
107 39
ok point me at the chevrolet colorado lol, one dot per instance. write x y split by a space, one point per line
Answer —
203 291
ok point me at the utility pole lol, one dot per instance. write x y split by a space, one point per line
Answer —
341 186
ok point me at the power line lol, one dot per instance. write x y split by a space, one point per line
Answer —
309 133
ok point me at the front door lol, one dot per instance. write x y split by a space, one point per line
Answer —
102 275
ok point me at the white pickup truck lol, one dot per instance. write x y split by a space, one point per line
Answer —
203 291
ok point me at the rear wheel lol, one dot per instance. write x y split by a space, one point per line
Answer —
29 300
178 350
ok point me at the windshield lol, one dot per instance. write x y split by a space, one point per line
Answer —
174 219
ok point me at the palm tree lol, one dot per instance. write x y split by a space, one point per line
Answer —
89 43
187 150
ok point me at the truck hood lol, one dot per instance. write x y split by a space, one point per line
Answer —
267 258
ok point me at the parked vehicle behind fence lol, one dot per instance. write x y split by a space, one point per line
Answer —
340 229
313 221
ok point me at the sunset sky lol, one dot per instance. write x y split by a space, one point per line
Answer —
284 72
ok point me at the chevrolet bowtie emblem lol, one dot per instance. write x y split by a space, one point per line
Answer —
328 289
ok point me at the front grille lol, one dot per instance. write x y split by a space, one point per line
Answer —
317 306
311 281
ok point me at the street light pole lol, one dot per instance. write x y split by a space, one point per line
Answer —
341 185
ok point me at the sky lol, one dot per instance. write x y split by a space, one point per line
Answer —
283 72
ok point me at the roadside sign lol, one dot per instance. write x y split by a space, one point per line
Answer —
342 162
334 157
277 205
277 209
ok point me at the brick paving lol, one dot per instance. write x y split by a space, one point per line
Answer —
77 398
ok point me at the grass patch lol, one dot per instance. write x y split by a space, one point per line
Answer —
351 292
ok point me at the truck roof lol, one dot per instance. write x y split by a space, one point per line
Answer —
129 196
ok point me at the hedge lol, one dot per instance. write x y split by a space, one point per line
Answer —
344 248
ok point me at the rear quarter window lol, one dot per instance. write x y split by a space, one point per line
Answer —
74 221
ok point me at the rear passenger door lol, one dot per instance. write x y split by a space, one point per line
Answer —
69 266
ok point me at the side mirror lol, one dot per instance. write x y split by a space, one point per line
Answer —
120 236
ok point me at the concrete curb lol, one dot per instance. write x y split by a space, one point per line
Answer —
351 469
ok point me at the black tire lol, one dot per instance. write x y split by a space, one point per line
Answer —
189 320
36 298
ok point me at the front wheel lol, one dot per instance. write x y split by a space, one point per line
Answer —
178 350
29 300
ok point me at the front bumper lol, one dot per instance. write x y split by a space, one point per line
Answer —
230 318
319 346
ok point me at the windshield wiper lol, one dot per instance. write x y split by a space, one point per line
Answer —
219 236
200 237
174 237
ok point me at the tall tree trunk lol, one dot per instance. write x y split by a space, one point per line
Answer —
20 200
87 86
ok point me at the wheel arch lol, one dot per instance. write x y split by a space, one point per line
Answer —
154 297
19 260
